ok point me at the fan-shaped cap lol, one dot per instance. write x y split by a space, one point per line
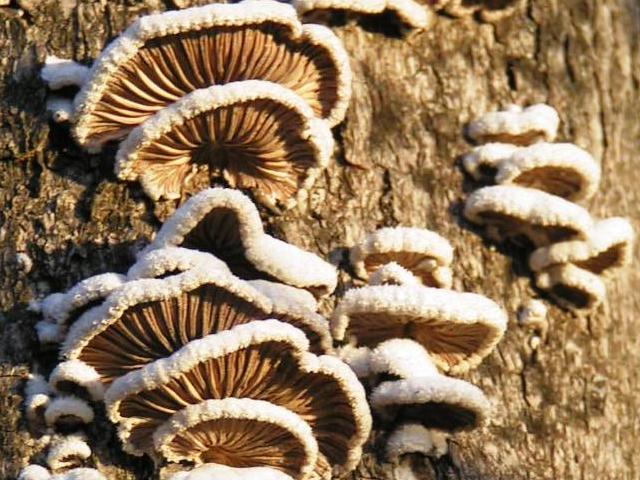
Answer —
151 318
171 261
561 169
414 438
49 332
226 223
402 358
280 291
68 413
408 12
258 135
34 472
161 58
608 245
61 72
540 216
457 329
418 250
393 274
516 125
67 451
263 361
358 359
571 286
60 108
76 378
37 396
482 162
80 474
222 472
239 432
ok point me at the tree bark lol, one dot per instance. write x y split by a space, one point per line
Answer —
567 409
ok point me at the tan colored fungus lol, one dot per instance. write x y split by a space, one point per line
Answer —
571 286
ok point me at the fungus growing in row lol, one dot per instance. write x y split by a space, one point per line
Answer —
572 286
516 125
160 58
257 135
68 413
67 452
239 432
561 169
608 246
37 396
169 261
225 223
457 329
482 162
60 73
408 12
512 211
414 438
392 274
264 360
424 253
149 319
222 472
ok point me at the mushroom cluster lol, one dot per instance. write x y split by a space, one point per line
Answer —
209 350
536 186
241 93
406 327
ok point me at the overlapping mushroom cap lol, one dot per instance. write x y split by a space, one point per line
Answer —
226 223
482 162
457 329
168 261
222 472
392 274
572 286
257 135
160 58
261 361
67 451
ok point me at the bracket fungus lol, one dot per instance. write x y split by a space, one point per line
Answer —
37 394
392 274
516 125
34 472
482 162
226 223
265 361
162 57
60 73
169 261
68 413
572 286
67 452
608 246
257 135
424 253
512 211
239 432
414 438
457 329
222 472
74 377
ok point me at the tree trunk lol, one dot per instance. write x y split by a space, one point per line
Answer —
567 409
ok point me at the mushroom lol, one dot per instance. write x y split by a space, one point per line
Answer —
408 12
457 329
80 474
358 359
222 472
34 472
68 413
608 246
424 253
571 286
74 377
49 333
482 162
561 169
67 451
401 358
257 135
60 108
392 274
226 223
37 394
169 261
262 361
163 57
60 73
149 319
513 211
414 438
516 125
239 432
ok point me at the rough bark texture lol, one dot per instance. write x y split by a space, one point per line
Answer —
565 410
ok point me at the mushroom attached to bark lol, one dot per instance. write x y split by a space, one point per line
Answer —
608 246
222 472
74 377
424 253
257 135
68 413
512 211
149 319
80 474
169 261
571 286
61 72
457 329
239 432
67 452
265 360
516 125
482 162
414 438
161 58
37 394
226 223
34 472
392 274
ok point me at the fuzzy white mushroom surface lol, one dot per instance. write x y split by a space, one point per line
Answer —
392 274
34 472
173 260
414 438
571 286
67 451
483 161
60 72
68 411
221 472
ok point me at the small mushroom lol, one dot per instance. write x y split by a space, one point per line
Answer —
257 135
414 438
226 223
222 472
50 333
68 413
265 360
60 73
34 472
67 452
37 396
408 12
571 286
516 125
401 358
169 261
424 253
457 329
561 169
239 432
392 274
513 211
163 57
80 474
482 162
608 246
60 108
358 359
76 378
